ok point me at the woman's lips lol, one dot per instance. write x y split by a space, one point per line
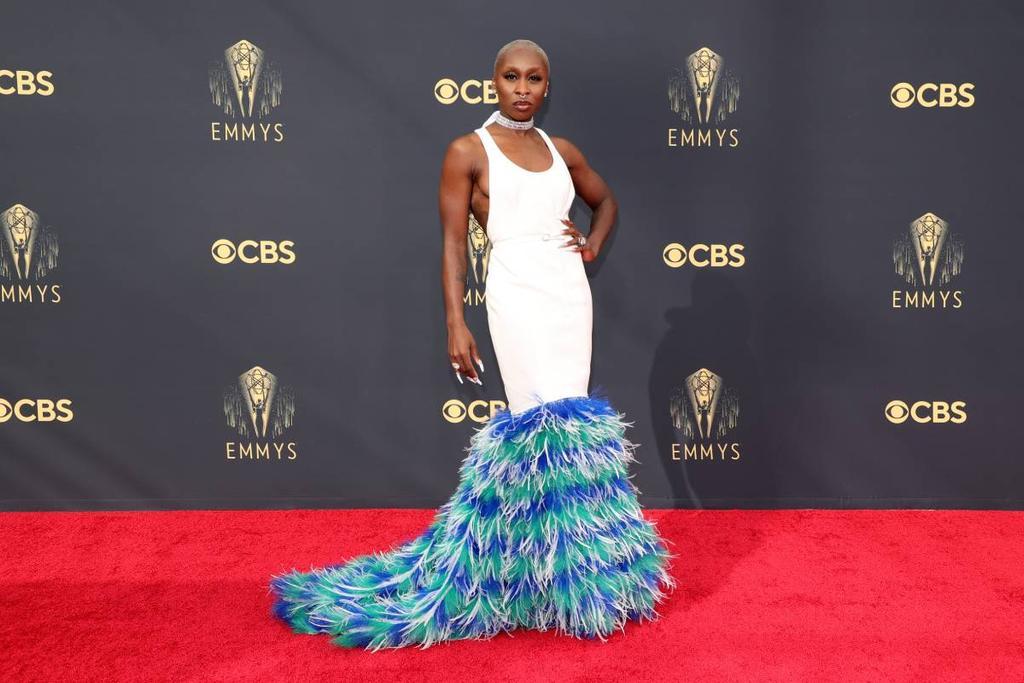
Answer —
521 105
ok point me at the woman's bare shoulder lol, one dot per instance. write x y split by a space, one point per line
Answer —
466 142
465 148
569 151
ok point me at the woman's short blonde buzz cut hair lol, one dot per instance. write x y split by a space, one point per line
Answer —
522 42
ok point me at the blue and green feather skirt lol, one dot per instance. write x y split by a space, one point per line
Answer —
543 531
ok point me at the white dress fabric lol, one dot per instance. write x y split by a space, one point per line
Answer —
539 308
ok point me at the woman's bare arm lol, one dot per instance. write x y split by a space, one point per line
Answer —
457 173
594 191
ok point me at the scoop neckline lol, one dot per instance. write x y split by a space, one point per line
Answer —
524 170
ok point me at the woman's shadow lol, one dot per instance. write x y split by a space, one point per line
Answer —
712 333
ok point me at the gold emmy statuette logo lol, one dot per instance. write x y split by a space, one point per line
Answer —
704 94
260 409
704 410
246 86
23 82
695 406
480 411
479 256
472 91
29 253
929 95
928 256
257 406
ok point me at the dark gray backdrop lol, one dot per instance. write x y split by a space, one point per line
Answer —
119 162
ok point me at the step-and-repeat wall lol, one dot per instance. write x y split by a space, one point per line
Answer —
220 276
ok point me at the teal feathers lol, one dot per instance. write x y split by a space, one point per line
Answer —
543 531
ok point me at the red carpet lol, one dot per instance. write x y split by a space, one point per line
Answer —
764 595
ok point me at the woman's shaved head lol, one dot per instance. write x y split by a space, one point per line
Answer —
522 43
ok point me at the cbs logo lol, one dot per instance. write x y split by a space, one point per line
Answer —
448 91
923 412
251 251
456 411
932 95
676 255
25 83
36 410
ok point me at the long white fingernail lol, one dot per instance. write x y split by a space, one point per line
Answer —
459 377
481 364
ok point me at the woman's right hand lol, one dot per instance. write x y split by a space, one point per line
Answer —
462 353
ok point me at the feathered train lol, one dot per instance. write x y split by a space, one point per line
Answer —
543 531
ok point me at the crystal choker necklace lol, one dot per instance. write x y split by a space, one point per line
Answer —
512 123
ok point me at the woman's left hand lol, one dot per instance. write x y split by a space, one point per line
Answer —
587 251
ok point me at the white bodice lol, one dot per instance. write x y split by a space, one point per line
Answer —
525 204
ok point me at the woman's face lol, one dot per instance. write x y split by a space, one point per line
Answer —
520 82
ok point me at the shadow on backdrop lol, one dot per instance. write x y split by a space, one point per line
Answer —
712 333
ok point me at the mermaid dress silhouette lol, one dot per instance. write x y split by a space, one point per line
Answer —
544 529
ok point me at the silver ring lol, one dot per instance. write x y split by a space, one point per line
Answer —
581 240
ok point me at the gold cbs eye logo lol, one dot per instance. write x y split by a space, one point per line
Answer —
448 91
480 411
252 251
36 410
699 255
903 95
923 412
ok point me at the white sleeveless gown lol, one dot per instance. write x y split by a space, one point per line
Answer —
539 309
544 529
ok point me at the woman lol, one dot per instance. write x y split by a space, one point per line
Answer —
544 529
